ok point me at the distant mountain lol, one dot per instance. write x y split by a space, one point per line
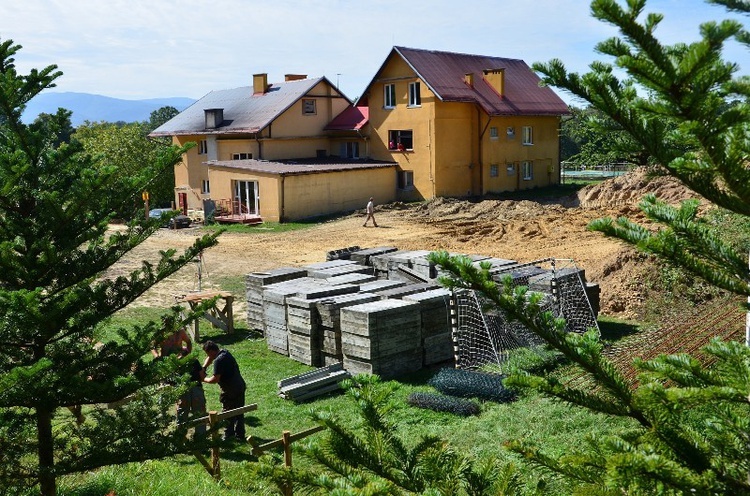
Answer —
96 108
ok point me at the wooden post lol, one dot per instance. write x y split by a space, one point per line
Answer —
286 439
747 318
215 459
286 436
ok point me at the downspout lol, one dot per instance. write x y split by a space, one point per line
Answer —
260 147
281 197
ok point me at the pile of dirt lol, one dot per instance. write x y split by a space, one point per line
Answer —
517 230
630 188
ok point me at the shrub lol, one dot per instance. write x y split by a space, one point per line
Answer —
470 384
442 403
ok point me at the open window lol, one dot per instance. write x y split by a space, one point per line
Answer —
400 140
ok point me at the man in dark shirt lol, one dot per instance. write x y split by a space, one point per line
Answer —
227 375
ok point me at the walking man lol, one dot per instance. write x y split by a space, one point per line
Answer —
227 375
370 213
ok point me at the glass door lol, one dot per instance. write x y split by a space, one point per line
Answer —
246 197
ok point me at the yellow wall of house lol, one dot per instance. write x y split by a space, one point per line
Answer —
222 188
227 147
451 156
294 123
508 150
308 195
457 171
419 120
189 172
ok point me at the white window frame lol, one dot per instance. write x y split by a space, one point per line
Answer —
415 95
309 106
527 133
389 95
205 187
493 133
405 180
202 147
242 156
527 168
494 170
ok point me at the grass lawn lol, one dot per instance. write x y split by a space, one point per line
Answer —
554 426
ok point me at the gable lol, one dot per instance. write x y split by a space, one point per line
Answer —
445 74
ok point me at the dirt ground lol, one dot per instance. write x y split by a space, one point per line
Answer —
519 230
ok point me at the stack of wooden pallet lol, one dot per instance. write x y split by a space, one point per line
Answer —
274 310
437 341
387 265
328 313
313 384
303 322
254 284
382 337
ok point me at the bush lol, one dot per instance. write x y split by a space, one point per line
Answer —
470 384
442 403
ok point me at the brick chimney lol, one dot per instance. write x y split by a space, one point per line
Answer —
294 77
496 79
260 83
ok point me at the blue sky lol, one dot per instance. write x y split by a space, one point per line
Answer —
137 49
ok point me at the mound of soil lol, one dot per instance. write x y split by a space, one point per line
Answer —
519 230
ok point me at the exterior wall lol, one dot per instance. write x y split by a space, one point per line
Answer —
453 152
509 151
310 195
278 149
302 196
456 167
189 174
222 184
295 123
227 147
419 120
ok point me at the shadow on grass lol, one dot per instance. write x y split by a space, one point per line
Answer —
614 330
223 339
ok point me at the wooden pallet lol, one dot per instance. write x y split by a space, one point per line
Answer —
312 384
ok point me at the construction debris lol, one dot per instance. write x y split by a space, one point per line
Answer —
313 384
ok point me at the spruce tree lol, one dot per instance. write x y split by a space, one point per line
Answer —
55 250
691 114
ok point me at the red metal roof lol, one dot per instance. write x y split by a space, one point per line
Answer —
445 74
353 118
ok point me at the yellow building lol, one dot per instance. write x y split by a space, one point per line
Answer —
256 146
462 125
429 124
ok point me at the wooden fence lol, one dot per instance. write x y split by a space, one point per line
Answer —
212 419
286 440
